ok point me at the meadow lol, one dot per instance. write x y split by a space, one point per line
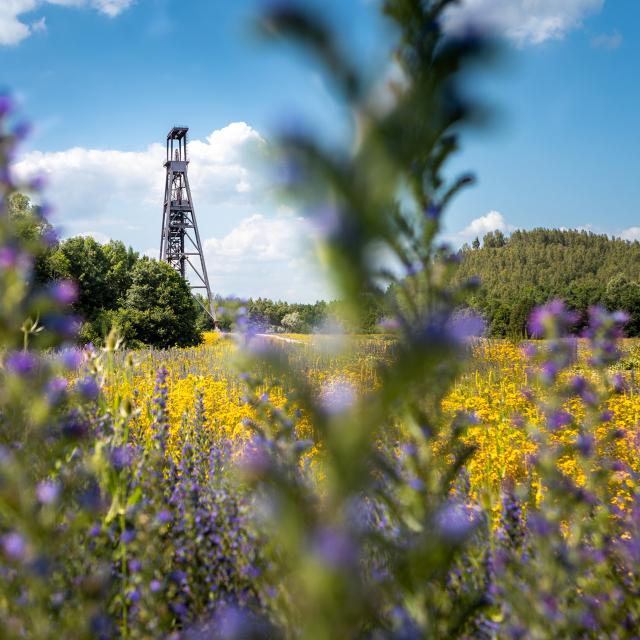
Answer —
426 483
495 390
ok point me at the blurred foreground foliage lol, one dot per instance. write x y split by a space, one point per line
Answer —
111 531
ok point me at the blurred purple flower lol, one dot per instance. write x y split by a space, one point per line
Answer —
619 383
71 358
164 517
454 522
88 388
558 419
14 546
466 325
121 457
64 291
56 388
128 536
551 319
7 105
47 492
334 547
155 586
22 363
585 443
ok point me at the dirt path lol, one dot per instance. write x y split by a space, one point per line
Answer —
273 336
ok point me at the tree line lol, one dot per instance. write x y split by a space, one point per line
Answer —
147 300
529 268
150 303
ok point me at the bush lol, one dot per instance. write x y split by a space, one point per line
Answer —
159 309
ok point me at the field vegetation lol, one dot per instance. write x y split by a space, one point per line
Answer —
423 483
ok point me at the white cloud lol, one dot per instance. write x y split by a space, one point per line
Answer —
492 221
102 238
14 29
524 21
110 185
632 233
265 256
608 41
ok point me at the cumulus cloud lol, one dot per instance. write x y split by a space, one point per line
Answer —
632 233
492 221
15 27
524 21
110 185
607 41
265 256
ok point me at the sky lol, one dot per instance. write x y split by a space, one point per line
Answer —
102 82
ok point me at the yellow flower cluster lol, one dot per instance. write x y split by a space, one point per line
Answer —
491 389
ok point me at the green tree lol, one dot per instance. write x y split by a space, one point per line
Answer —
121 261
624 294
84 260
294 323
35 231
159 309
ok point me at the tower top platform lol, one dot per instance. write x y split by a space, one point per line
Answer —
177 133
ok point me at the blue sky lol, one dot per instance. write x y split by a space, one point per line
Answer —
103 81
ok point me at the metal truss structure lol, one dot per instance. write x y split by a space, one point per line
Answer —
180 244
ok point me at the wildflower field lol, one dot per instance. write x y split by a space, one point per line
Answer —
425 483
495 392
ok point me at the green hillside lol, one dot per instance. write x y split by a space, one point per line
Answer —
532 267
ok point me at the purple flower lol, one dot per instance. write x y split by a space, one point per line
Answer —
466 325
121 457
618 382
454 522
22 363
551 319
585 444
606 416
135 566
6 105
47 492
56 389
128 536
334 547
88 388
71 359
433 212
155 586
14 546
559 419
164 517
64 292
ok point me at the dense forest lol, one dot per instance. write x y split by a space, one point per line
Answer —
532 267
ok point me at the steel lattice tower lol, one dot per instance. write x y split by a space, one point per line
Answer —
180 239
